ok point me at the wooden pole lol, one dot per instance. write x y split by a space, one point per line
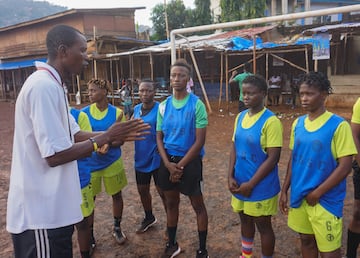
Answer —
254 54
307 59
267 67
78 83
290 63
3 85
243 64
316 63
336 59
112 82
267 75
344 67
95 69
117 74
132 76
151 67
14 85
94 38
221 77
122 68
200 80
227 81
78 88
130 67
73 84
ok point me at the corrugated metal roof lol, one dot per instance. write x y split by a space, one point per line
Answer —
217 42
248 32
340 28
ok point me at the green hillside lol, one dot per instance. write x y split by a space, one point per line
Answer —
16 11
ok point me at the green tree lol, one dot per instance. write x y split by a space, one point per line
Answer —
201 15
235 10
176 14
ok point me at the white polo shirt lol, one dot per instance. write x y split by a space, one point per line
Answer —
42 197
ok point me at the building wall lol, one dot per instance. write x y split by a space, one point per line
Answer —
110 25
30 41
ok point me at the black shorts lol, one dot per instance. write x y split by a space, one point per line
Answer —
191 180
44 243
356 180
143 178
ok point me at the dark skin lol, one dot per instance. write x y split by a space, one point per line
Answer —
254 101
71 60
179 76
83 234
146 94
313 101
354 225
98 96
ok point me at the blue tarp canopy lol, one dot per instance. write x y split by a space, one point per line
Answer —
19 64
239 43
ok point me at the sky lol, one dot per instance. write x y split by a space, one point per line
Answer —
142 17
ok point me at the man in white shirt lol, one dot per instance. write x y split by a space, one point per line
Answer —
44 193
274 90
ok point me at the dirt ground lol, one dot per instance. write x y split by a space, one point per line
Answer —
224 225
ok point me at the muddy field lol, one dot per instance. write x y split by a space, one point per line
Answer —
224 225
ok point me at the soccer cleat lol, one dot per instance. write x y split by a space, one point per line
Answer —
146 224
119 235
202 254
171 250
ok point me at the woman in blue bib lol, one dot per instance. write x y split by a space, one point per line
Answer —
253 170
181 129
147 158
108 167
322 148
87 205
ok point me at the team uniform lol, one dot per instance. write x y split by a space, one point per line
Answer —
250 154
147 158
178 120
355 118
43 201
87 205
316 146
108 167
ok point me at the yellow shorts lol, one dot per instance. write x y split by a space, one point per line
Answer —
315 220
256 209
114 178
87 205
